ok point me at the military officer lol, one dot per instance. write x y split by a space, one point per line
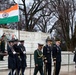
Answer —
2 46
47 55
18 58
38 55
56 53
11 57
23 56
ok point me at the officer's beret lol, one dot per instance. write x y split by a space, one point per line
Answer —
57 39
21 40
40 44
48 39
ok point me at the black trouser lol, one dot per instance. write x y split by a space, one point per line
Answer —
48 68
22 71
1 57
58 66
40 69
11 72
17 72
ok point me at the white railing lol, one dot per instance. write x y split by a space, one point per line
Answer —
67 59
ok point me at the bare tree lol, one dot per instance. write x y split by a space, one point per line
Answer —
44 21
34 13
65 11
31 15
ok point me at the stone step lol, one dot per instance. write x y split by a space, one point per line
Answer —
4 64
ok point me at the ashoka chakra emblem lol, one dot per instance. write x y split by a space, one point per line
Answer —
5 15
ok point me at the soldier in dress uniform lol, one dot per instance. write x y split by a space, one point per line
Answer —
11 57
47 55
2 46
23 56
38 55
56 53
18 58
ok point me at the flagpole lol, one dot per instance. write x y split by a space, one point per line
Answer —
18 22
18 31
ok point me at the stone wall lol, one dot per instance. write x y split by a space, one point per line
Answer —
31 38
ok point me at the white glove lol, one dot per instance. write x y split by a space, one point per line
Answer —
24 52
14 52
45 61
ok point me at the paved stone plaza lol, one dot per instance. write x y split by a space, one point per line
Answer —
65 70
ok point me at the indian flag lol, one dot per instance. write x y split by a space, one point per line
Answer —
10 15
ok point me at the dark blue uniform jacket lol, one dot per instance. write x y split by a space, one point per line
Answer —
56 53
11 58
23 56
18 59
75 56
47 53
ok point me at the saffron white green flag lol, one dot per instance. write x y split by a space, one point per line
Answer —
10 15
